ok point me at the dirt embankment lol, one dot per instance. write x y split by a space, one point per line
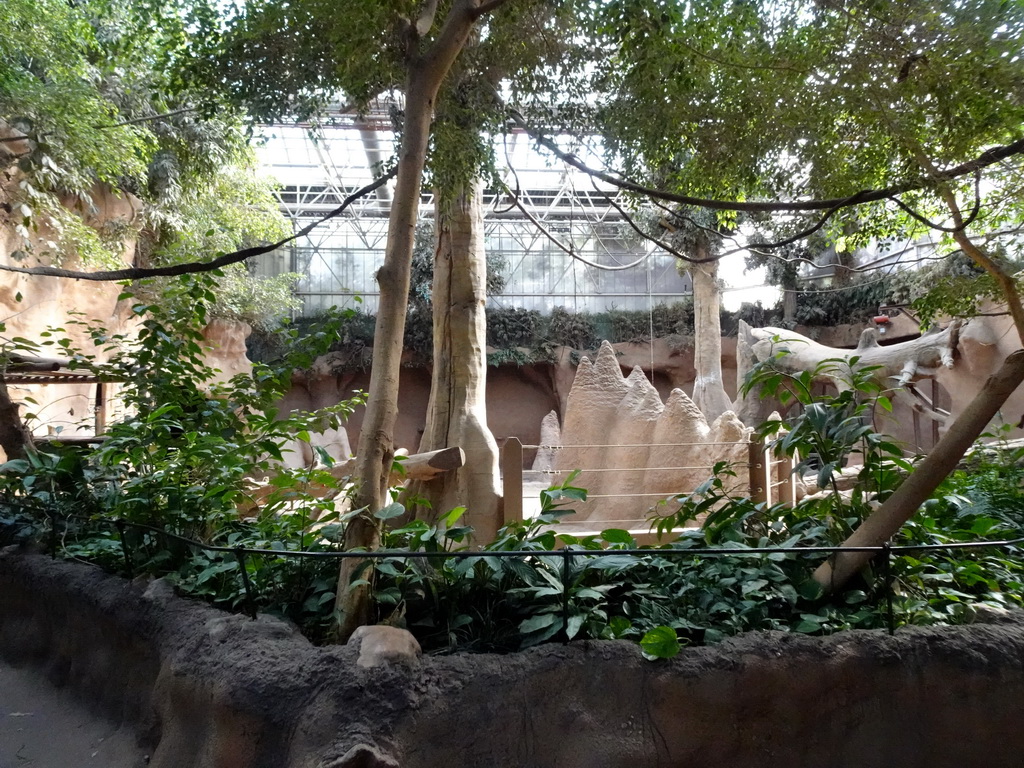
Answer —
206 689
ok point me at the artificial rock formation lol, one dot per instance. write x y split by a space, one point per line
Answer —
895 366
634 450
550 439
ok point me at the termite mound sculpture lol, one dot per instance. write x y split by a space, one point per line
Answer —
632 448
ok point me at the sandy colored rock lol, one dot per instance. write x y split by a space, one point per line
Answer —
224 348
632 448
550 439
381 645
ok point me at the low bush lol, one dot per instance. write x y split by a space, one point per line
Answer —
164 488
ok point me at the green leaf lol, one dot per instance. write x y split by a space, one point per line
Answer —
573 627
811 590
754 586
807 627
458 533
612 562
390 512
535 623
660 643
617 536
450 519
620 625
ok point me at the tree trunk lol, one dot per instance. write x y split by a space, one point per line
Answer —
376 450
15 439
789 296
919 485
946 454
708 388
751 408
457 413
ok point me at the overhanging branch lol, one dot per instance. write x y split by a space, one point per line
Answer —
985 159
975 210
639 230
193 267
488 7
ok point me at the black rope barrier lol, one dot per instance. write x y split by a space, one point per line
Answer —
566 554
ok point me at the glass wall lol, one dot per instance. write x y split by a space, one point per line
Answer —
598 262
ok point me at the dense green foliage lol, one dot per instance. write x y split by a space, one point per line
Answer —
856 96
523 336
95 89
183 456
176 465
764 100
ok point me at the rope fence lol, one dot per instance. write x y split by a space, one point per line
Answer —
708 467
770 479
567 555
636 445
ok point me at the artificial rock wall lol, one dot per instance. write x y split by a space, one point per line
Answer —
206 689
32 304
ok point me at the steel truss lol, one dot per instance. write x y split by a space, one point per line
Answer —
318 166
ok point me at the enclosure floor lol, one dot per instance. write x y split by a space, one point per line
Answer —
44 727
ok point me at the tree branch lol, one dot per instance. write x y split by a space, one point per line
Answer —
426 17
562 246
985 159
975 210
487 7
193 267
135 120
639 230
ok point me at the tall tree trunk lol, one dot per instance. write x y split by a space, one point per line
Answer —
457 413
789 296
375 453
708 389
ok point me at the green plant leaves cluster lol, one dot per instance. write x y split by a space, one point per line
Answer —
181 459
175 465
98 90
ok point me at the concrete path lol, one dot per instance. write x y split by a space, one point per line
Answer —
43 727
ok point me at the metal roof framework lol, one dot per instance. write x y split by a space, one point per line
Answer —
317 166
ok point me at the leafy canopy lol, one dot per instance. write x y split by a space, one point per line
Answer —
99 91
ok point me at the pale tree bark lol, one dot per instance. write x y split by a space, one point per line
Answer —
708 388
375 453
456 412
789 296
895 365
883 524
922 482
